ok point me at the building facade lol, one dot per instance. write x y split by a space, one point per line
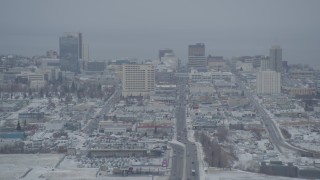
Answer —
265 64
276 58
216 63
163 52
211 76
196 56
96 66
165 93
299 91
138 79
70 48
268 82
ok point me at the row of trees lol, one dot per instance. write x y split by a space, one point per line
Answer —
59 88
12 148
215 154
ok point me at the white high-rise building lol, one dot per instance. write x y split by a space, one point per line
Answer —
138 79
268 82
276 58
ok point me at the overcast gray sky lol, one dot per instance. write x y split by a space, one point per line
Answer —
139 28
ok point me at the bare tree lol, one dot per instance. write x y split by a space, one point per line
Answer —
222 134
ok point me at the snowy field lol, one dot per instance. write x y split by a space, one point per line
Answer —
240 175
13 166
87 174
41 166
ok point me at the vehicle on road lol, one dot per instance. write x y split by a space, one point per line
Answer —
193 172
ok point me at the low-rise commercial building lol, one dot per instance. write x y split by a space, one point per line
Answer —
112 127
299 91
153 127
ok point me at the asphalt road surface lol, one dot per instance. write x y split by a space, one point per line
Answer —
177 162
182 134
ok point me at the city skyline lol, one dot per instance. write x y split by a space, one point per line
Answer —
125 29
161 90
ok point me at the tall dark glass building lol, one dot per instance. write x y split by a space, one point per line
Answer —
196 56
70 47
276 58
162 52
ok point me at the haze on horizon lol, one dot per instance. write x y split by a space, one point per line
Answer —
124 28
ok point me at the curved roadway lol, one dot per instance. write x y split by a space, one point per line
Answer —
274 133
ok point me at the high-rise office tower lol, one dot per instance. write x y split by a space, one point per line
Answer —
268 82
265 64
70 47
138 79
196 56
276 58
85 56
85 52
163 52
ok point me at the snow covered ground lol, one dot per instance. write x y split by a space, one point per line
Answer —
41 166
245 159
13 166
301 136
216 174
